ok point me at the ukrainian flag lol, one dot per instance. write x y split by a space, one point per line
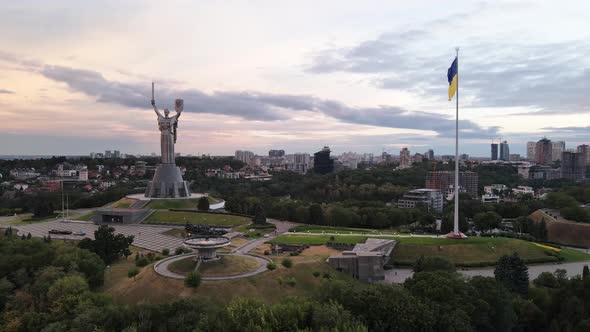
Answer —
452 77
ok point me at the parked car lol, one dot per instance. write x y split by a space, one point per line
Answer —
60 232
80 233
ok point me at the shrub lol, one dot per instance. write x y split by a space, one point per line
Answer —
316 274
192 280
143 261
267 252
327 275
291 281
271 266
132 272
181 250
165 251
288 263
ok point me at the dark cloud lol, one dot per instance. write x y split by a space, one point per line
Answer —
3 91
258 106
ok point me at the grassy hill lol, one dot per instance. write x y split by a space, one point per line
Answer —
269 286
470 252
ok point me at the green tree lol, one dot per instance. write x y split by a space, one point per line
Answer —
513 274
203 204
66 293
316 215
192 280
132 272
287 262
259 216
108 245
487 221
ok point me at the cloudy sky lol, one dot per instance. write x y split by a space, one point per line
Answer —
364 76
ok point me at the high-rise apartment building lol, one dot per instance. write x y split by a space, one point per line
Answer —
116 154
543 152
584 148
504 151
108 154
557 147
573 165
429 155
404 158
446 179
244 156
530 150
322 163
494 151
276 153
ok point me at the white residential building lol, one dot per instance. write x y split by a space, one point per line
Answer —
432 199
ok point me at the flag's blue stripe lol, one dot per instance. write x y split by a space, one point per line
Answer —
452 71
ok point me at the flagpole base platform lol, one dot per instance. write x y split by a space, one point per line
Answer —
458 236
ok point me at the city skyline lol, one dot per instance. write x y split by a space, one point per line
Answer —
257 79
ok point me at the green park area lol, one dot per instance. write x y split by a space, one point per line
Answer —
124 203
165 204
470 252
183 217
227 265
338 230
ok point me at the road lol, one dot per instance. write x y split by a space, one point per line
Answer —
572 269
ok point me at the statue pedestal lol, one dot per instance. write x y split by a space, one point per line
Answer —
167 183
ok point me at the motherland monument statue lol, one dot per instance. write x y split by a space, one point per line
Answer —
167 181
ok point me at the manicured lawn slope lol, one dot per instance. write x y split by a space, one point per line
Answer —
470 252
181 217
165 204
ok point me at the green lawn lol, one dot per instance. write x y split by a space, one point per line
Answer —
166 204
476 251
317 240
84 217
182 217
470 252
183 266
337 230
124 203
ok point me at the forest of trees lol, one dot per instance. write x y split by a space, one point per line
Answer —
52 286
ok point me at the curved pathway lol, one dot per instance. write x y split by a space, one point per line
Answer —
161 267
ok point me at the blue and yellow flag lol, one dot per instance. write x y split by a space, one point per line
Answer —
452 76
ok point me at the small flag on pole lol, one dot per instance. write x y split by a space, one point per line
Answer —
452 77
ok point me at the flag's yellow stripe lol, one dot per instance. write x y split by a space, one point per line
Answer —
453 87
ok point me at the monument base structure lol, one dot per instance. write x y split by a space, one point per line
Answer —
453 235
167 183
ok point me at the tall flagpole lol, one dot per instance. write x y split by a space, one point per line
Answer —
456 224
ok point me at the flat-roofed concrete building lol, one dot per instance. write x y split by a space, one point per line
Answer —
120 216
432 199
366 260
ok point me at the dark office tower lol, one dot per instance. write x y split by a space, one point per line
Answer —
504 151
430 154
543 152
322 163
573 165
494 151
276 153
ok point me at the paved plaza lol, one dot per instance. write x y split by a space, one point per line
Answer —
146 236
